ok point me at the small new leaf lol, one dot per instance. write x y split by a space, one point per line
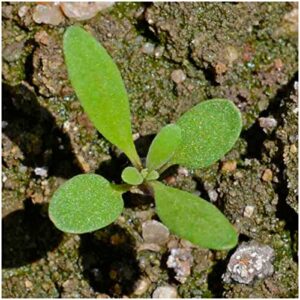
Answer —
100 88
193 218
85 203
132 176
209 130
163 146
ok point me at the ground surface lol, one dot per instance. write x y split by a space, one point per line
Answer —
246 52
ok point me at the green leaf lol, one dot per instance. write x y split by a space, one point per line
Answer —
152 175
209 130
193 218
85 203
163 146
100 89
132 176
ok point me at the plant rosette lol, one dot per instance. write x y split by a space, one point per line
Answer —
200 137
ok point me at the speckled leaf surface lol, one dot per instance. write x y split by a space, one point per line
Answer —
132 176
209 130
163 146
100 88
193 218
85 203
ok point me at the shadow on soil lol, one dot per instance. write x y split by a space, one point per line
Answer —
27 235
33 129
109 261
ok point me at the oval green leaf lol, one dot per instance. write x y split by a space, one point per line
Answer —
163 146
209 130
85 203
100 88
193 218
132 176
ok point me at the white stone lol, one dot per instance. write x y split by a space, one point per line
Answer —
165 292
248 211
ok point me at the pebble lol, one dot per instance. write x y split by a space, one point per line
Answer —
141 286
28 284
148 48
250 261
267 123
23 11
158 52
229 166
213 195
248 211
183 171
180 260
178 76
155 232
267 175
83 10
165 292
4 177
48 14
41 171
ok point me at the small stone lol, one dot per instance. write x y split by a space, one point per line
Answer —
248 211
180 260
28 284
267 175
47 14
158 52
165 292
141 286
43 171
213 195
83 10
178 76
220 68
267 123
229 166
4 177
23 11
148 48
155 232
293 148
183 171
250 261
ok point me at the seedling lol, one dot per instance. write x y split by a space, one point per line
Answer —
199 138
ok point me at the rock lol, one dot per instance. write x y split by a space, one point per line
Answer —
48 14
183 171
229 166
165 292
250 261
267 175
180 260
83 10
23 11
178 76
148 48
155 232
248 212
43 171
213 195
141 286
268 124
28 284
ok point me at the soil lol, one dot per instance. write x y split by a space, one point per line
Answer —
246 52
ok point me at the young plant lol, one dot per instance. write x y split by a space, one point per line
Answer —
199 138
